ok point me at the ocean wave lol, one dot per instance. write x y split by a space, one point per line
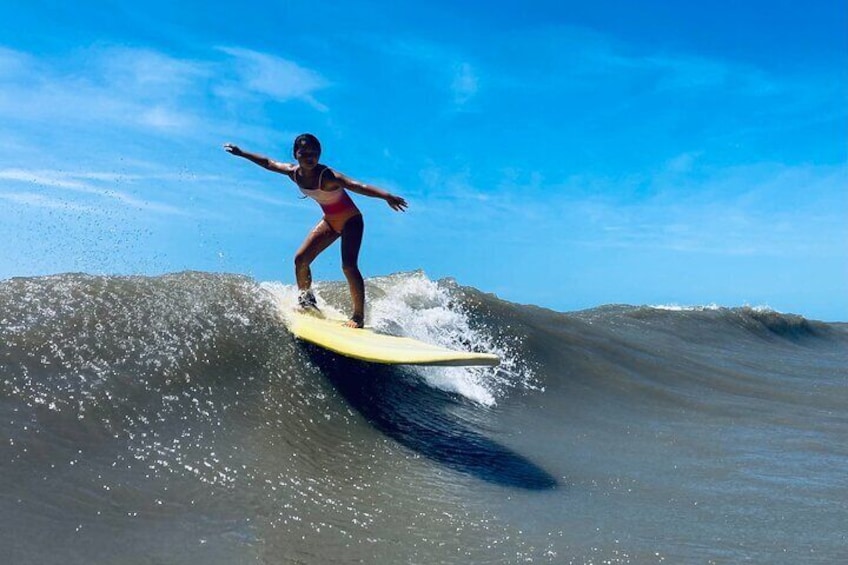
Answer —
178 404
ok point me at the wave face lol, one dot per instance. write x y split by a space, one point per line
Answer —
174 419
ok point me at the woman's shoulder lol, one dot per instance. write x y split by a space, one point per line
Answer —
285 168
328 179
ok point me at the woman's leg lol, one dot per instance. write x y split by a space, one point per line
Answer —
351 242
321 236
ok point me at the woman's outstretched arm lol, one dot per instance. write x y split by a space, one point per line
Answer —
261 160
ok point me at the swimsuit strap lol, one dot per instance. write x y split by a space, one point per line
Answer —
320 177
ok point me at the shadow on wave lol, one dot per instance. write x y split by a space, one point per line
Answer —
416 416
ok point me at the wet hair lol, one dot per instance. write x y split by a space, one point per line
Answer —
305 140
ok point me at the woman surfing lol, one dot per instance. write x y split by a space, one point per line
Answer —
342 219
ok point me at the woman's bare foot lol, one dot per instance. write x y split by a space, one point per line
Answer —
356 322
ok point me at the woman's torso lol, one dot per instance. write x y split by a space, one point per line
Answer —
337 205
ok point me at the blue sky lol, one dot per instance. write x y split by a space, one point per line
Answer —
563 154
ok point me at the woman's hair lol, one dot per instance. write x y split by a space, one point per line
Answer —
305 140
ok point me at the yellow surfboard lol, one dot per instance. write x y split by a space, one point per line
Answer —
367 345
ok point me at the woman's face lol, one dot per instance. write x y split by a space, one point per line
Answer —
307 156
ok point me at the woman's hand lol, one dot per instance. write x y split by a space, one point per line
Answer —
396 202
234 149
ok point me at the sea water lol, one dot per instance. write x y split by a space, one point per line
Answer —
173 419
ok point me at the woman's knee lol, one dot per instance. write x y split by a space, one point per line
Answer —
351 270
302 259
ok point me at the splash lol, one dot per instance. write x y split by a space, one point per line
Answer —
412 305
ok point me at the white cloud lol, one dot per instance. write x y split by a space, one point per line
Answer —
264 198
447 69
765 209
161 118
632 83
43 178
13 62
146 89
135 88
761 209
146 69
465 84
275 77
71 182
42 201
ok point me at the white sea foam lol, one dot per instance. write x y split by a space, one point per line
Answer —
417 307
284 296
762 309
411 305
681 308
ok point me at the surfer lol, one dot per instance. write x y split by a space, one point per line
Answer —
342 219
